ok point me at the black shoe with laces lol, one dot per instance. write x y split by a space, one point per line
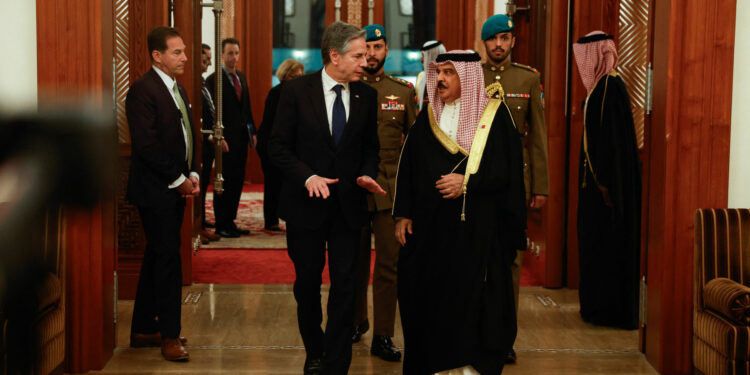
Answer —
382 346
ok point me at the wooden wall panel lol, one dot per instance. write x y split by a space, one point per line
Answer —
253 29
80 38
689 149
455 22
587 17
187 20
554 74
144 16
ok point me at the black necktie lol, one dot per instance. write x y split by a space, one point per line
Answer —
339 116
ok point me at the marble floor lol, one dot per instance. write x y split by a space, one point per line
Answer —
252 329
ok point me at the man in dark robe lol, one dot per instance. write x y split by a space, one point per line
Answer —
609 195
460 214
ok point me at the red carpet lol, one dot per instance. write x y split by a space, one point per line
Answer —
256 259
249 267
264 267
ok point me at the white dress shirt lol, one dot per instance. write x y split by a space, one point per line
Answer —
170 82
330 97
449 118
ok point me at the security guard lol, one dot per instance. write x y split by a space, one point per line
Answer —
524 96
396 113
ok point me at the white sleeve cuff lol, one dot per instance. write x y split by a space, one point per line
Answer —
308 179
177 182
196 175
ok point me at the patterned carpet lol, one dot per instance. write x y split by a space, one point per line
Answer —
249 216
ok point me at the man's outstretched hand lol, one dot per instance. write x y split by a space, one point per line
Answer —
367 183
318 186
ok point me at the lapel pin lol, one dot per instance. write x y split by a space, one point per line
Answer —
356 96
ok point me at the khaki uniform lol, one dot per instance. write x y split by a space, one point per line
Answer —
524 96
396 113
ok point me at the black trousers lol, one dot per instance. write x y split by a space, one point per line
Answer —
233 170
307 249
158 299
206 167
271 192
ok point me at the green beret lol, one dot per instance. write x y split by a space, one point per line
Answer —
498 23
374 32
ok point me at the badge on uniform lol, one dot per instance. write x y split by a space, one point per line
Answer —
525 96
541 88
392 104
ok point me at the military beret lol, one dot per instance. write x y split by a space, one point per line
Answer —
498 23
374 32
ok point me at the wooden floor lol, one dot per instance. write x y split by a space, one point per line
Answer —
252 329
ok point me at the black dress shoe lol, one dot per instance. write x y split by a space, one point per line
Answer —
382 346
313 366
208 225
511 358
228 233
240 231
273 228
360 330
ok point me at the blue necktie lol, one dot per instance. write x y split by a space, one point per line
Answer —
338 121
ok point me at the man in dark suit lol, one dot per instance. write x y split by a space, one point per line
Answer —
239 131
325 143
162 172
207 149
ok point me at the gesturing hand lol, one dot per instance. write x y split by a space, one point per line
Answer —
450 185
367 183
318 186
403 225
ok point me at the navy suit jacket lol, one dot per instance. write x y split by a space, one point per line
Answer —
157 141
301 145
236 113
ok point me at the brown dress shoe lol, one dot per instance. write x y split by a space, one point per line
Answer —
149 340
172 350
210 236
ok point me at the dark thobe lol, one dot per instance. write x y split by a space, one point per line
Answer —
455 288
609 208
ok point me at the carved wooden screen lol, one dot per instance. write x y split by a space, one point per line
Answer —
633 58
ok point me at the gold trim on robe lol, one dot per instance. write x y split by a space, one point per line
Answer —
452 146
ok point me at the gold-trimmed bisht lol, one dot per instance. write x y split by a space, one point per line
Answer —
497 97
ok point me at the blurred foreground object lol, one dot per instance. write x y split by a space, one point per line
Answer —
48 160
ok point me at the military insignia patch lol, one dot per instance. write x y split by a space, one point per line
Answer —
541 88
392 104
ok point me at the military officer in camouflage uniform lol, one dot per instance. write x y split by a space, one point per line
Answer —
523 94
396 113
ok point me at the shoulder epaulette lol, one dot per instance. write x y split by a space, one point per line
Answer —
399 80
525 67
